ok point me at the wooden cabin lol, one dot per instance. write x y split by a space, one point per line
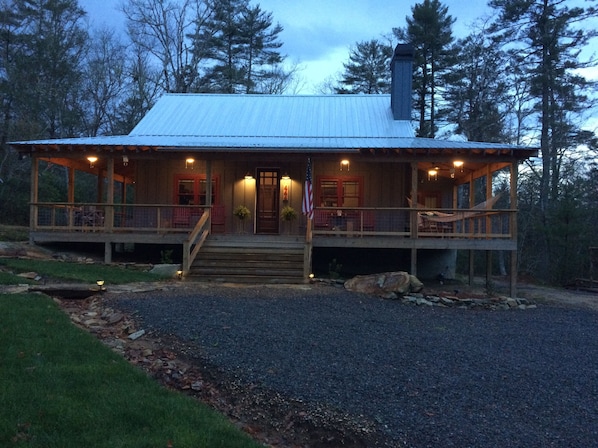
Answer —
196 159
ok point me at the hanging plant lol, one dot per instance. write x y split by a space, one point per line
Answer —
242 212
288 213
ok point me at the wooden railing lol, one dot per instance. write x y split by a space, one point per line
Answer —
79 217
328 221
195 240
414 223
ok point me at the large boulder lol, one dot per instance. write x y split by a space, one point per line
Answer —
386 284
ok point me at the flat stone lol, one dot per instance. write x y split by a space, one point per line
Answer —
115 318
136 335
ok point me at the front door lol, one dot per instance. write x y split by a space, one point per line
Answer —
268 191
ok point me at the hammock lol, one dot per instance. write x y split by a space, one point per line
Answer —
479 209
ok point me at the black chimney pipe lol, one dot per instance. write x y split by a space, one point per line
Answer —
401 68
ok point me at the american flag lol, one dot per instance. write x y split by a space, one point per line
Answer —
308 196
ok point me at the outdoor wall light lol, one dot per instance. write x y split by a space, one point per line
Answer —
433 174
125 160
458 164
92 160
345 165
285 176
248 176
189 162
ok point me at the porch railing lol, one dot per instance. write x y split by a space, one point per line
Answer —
414 223
100 217
328 221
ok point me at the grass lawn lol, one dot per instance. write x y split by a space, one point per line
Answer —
60 387
72 272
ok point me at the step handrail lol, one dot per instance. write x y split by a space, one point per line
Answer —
195 240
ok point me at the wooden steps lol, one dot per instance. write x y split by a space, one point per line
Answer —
250 259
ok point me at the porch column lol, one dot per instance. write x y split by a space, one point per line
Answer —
33 195
413 217
471 252
70 194
208 195
209 186
109 218
488 270
513 223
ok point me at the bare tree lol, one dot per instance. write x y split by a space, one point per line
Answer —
105 82
165 29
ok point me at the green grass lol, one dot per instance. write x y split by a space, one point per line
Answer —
13 233
75 272
60 387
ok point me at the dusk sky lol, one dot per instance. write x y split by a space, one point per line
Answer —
318 34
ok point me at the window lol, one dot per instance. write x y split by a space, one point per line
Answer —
192 190
339 191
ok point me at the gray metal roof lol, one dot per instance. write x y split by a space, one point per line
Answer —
323 123
236 117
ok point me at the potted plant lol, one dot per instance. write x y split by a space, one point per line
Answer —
242 213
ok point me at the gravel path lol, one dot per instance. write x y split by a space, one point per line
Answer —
431 377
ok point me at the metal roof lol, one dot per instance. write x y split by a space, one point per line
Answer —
290 123
237 117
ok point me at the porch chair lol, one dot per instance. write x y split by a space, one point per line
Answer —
181 217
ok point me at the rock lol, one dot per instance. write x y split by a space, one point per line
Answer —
136 335
165 270
384 284
114 318
28 275
512 302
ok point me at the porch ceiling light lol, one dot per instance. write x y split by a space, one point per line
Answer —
92 160
189 162
345 164
433 174
458 164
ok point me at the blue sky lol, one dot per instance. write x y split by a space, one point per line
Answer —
318 34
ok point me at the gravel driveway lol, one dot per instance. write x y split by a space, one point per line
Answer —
431 377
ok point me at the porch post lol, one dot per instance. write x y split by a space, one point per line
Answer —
488 269
109 220
514 206
209 189
413 217
471 252
71 194
471 266
34 195
307 250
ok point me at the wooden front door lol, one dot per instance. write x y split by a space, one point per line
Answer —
268 197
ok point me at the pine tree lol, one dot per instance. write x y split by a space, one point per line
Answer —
477 91
368 69
429 30
545 39
260 56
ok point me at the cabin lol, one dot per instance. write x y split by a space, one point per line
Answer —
227 179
